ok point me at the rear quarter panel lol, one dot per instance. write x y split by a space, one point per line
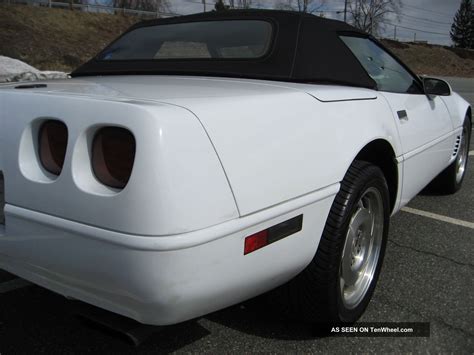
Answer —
282 145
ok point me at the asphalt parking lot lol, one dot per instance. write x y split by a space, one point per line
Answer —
428 276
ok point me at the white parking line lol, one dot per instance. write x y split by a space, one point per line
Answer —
439 217
471 152
13 285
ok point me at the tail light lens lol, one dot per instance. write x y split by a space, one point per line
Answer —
113 155
53 138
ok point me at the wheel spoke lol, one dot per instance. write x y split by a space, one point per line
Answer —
348 275
371 218
347 257
361 217
367 254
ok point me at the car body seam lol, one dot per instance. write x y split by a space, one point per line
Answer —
174 241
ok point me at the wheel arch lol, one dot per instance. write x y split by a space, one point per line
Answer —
381 153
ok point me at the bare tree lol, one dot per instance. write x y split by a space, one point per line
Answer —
245 4
240 4
309 6
369 15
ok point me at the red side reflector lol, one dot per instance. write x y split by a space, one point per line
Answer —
273 234
256 241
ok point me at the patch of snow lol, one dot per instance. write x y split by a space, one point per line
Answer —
16 70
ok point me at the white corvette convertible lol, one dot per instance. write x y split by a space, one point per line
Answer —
202 160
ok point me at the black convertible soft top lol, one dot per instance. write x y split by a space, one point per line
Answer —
304 48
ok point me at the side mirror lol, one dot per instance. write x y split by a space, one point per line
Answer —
436 87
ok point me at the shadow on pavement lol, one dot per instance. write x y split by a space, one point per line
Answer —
34 320
255 318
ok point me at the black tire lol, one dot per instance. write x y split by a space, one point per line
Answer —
448 181
314 295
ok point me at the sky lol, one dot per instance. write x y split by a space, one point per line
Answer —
430 19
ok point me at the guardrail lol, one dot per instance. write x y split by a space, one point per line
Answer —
95 8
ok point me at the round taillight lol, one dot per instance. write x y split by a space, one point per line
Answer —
52 141
113 155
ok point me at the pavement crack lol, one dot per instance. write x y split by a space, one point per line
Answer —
430 317
431 254
453 327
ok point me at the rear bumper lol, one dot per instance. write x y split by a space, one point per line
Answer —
167 279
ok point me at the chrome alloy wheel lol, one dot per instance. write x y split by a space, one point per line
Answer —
461 159
362 248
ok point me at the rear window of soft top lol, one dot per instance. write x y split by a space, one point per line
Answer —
229 39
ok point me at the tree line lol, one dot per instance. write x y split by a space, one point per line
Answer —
367 15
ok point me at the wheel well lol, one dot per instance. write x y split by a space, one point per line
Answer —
381 154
